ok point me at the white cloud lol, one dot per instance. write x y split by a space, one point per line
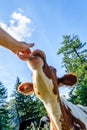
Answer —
19 26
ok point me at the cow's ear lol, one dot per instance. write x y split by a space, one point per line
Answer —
68 79
26 88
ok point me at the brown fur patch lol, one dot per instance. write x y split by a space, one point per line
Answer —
25 88
68 79
51 74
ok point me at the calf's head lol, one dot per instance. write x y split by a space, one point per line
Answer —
37 63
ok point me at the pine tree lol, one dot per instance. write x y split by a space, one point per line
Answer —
13 109
75 61
4 112
24 107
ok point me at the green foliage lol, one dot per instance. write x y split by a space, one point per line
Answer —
24 107
4 113
79 95
19 108
75 61
3 94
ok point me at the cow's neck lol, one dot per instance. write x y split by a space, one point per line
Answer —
65 120
43 88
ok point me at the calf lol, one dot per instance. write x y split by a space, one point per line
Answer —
63 115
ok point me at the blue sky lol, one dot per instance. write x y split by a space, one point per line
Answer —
43 22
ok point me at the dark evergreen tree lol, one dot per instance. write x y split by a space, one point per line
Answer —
25 107
4 112
75 61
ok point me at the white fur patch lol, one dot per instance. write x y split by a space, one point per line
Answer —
44 86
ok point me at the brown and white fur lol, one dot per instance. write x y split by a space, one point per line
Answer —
45 87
